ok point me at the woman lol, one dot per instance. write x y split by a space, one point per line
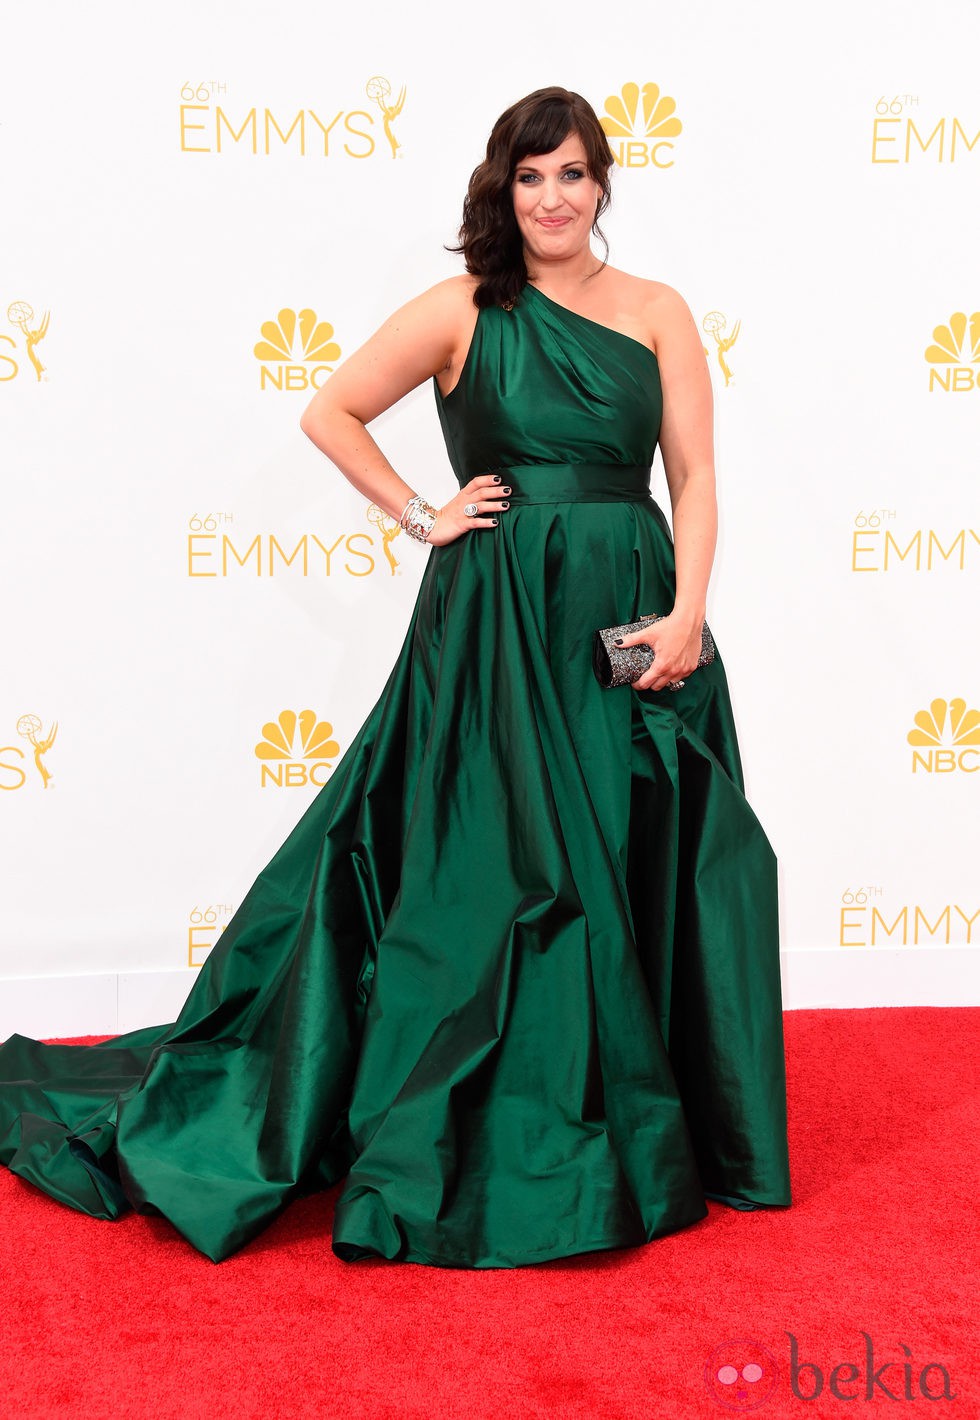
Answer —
515 974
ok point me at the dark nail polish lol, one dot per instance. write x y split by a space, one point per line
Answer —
494 521
508 490
618 641
496 478
505 505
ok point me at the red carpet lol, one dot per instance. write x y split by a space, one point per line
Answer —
878 1253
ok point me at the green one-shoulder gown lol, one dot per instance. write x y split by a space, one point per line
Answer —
514 976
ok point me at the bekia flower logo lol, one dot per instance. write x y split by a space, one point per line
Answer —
741 1374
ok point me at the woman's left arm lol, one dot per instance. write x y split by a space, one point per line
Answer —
687 446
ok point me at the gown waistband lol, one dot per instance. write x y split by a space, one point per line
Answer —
576 482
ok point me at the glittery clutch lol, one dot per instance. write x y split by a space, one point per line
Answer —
622 665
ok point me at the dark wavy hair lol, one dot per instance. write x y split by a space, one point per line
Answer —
489 237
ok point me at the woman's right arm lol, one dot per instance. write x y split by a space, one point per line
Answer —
427 335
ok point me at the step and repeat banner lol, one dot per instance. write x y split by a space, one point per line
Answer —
208 210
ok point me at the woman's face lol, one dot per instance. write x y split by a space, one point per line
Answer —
555 201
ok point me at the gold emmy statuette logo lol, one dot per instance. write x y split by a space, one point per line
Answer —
30 728
379 90
287 769
946 732
21 314
650 127
957 348
714 324
277 348
389 530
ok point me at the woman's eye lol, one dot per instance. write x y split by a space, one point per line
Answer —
570 175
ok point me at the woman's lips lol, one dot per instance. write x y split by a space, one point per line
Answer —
553 221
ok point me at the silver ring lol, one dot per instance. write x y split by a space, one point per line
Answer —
471 509
675 684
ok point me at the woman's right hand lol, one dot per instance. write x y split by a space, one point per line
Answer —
488 492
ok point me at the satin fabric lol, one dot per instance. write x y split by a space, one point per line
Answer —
514 976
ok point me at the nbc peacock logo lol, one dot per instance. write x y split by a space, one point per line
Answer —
946 737
644 122
954 356
293 338
296 750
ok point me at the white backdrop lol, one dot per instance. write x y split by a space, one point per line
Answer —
182 567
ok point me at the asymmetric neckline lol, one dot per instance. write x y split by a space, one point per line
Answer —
566 310
610 330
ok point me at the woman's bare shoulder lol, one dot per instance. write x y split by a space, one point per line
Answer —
439 319
660 301
454 294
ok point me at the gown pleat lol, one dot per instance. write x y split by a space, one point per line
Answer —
514 976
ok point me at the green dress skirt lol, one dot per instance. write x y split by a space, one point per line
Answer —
514 976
